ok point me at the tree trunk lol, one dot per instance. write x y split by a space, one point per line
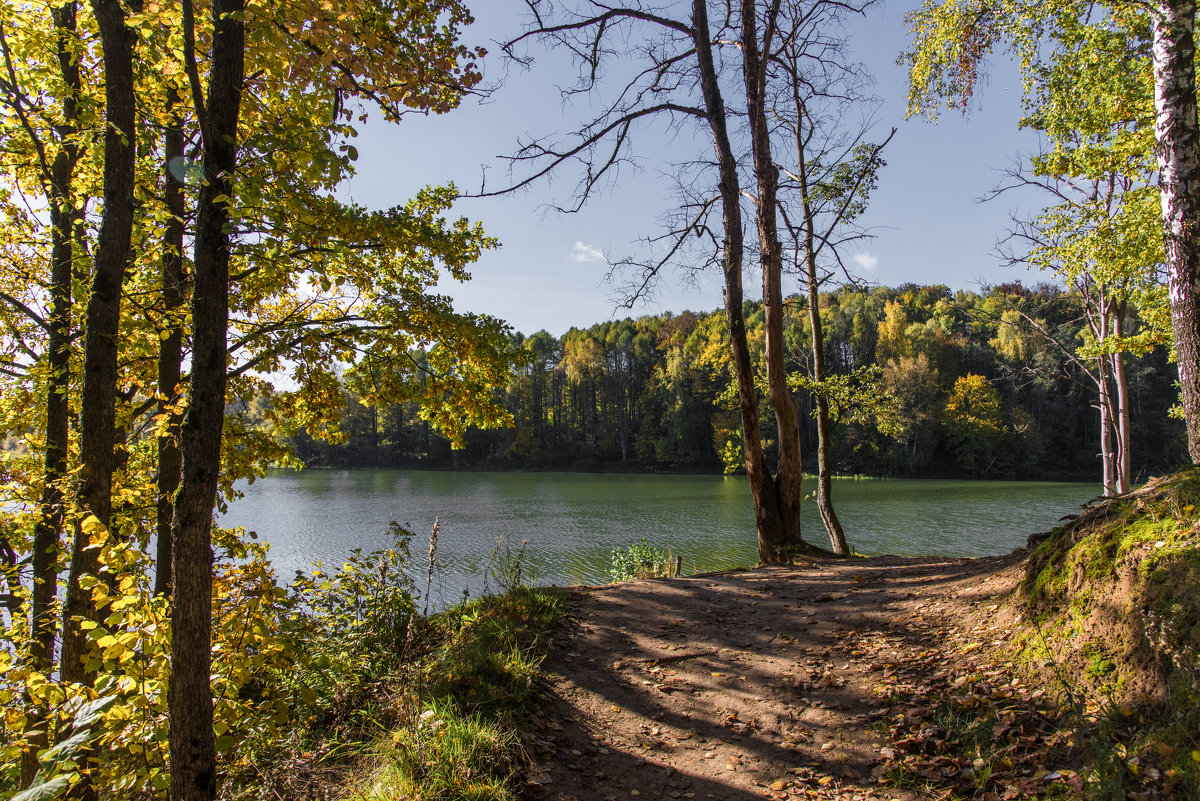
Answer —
1122 464
1121 432
1178 138
190 703
47 534
98 419
170 349
789 472
833 525
1107 460
837 536
768 522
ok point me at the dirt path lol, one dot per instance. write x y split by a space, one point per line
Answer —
751 684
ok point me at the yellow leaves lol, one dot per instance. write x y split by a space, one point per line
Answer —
131 651
96 531
14 719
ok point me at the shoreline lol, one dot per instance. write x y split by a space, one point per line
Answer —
682 473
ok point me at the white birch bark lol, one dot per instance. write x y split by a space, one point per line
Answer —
1176 132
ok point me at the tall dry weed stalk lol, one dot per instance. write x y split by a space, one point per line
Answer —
433 538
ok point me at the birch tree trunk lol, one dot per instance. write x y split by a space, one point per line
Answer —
1178 138
1105 404
1122 436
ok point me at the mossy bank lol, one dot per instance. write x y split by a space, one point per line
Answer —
1111 617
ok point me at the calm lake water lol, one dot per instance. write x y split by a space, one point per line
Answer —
573 521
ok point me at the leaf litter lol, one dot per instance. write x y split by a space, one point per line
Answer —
875 678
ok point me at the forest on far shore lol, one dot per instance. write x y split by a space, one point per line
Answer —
925 382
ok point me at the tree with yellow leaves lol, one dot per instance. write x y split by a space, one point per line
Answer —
237 264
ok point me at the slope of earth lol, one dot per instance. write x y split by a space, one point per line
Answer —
788 682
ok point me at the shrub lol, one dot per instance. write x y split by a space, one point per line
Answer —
641 560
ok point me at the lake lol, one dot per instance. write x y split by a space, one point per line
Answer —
572 521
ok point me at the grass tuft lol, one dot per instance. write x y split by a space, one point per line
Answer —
474 682
446 755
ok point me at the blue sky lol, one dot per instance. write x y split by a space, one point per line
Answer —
550 271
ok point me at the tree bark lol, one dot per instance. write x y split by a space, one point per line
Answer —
1121 433
47 534
768 521
1122 465
789 472
1105 404
170 351
1108 456
113 251
1178 138
190 706
833 525
837 536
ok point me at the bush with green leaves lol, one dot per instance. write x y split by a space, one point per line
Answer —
342 623
478 664
641 560
388 703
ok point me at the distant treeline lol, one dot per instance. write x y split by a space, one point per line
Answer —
964 384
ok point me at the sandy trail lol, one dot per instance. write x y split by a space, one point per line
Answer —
751 684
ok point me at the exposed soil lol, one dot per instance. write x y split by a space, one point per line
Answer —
775 682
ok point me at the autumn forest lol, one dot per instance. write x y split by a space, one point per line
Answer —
187 301
935 384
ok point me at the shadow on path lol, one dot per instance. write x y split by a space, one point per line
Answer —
746 684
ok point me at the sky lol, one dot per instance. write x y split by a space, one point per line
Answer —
926 217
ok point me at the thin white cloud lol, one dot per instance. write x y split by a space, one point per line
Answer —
584 253
866 261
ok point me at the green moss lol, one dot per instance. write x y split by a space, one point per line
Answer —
1099 665
1145 549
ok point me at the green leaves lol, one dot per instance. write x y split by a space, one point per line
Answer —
859 396
640 560
58 769
92 712
44 790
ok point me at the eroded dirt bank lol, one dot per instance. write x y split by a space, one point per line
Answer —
775 682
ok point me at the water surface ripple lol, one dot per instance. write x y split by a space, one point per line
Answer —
573 521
